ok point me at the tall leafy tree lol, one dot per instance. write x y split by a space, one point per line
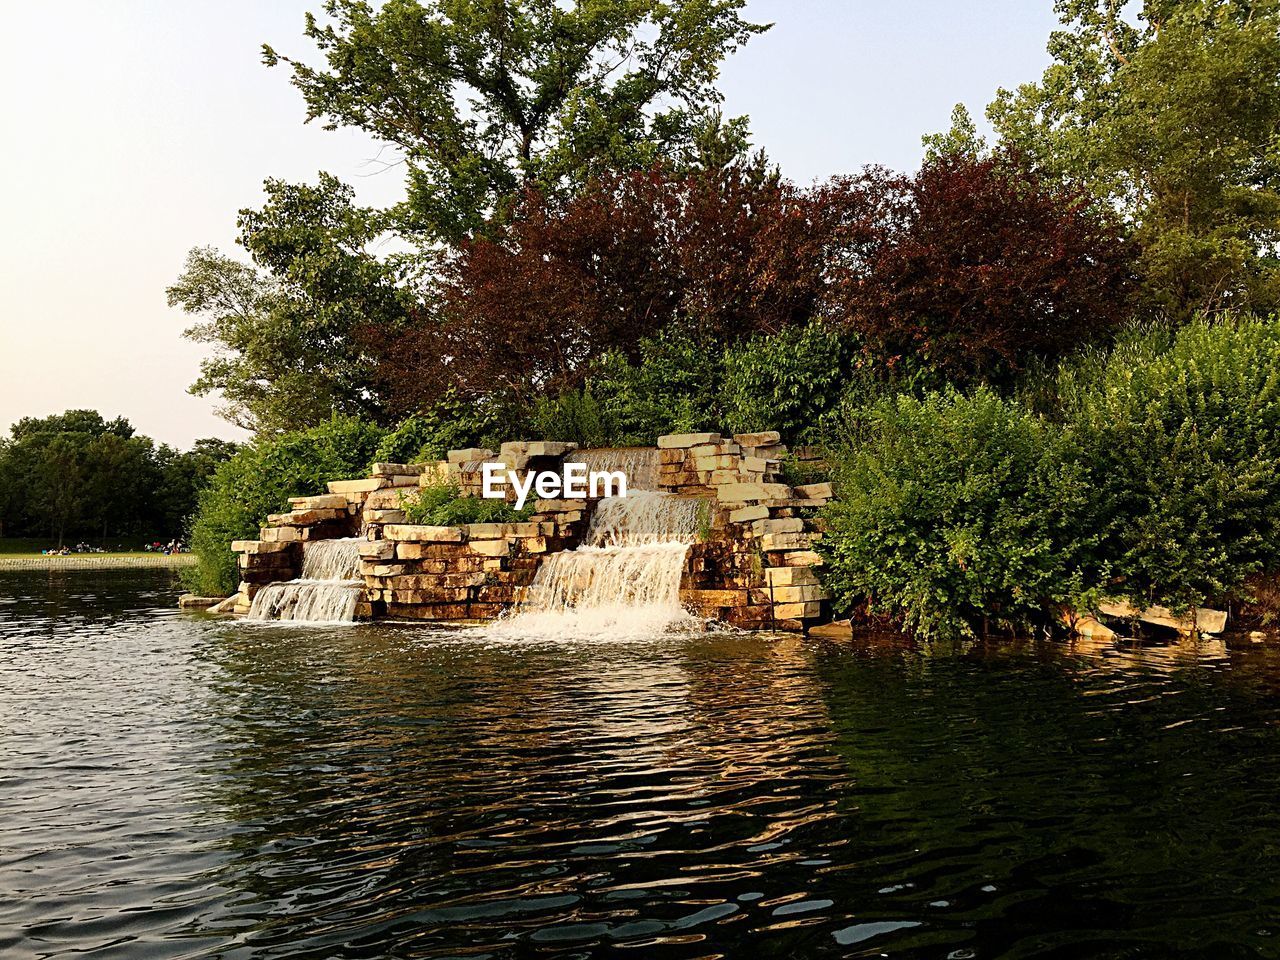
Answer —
1169 109
284 327
486 97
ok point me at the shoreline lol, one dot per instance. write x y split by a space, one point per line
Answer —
89 561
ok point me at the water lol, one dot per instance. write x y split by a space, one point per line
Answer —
640 464
180 786
624 582
328 591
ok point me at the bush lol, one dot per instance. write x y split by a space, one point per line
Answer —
792 382
451 424
1182 433
959 514
443 505
259 480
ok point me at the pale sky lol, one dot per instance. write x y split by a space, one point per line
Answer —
136 129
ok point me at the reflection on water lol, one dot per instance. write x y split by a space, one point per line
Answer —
172 785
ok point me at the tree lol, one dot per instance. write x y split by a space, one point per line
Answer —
77 474
486 99
1169 116
721 256
283 329
973 265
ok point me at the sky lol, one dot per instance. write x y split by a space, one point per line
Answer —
136 129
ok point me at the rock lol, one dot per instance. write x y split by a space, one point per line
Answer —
1206 620
324 501
781 525
801 558
376 549
1257 636
278 534
837 630
749 514
674 440
368 485
748 492
799 593
469 455
490 548
256 547
397 469
189 601
813 491
765 438
419 533
789 576
797 611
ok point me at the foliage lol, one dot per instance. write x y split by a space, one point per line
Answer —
291 332
1168 109
957 515
975 264
77 475
1182 431
260 479
530 310
443 505
451 424
1150 472
792 382
482 100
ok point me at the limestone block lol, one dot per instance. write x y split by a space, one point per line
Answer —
716 450
789 576
781 525
368 485
765 438
754 465
715 598
720 477
490 548
560 506
786 541
836 630
324 501
493 565
797 611
751 492
376 549
550 448
675 440
749 514
420 533
801 558
496 531
717 462
255 547
397 469
469 455
385 516
1206 620
383 569
672 457
814 491
799 594
278 534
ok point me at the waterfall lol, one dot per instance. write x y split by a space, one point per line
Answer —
327 592
640 464
624 582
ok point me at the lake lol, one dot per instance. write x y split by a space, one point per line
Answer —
178 786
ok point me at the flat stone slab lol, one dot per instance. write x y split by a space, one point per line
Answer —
673 440
189 601
1206 620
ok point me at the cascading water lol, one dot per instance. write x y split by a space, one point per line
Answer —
624 582
640 464
327 592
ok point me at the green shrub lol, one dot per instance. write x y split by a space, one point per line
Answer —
452 424
792 382
959 514
1181 430
259 480
442 505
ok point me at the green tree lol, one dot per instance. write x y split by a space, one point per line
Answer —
1170 114
291 332
484 97
260 479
